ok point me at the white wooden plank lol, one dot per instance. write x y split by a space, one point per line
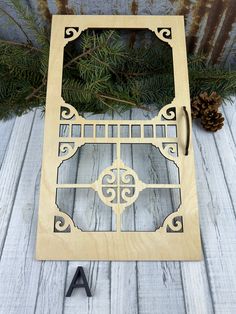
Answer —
196 291
11 170
92 216
50 293
6 128
226 149
198 297
19 271
124 297
51 288
217 223
229 111
159 283
124 274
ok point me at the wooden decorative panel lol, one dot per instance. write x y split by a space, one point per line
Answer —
118 185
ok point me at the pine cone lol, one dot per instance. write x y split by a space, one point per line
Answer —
204 101
212 120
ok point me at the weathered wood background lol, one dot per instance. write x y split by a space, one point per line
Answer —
210 24
29 286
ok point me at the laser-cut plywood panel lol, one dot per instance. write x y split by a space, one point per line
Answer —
118 185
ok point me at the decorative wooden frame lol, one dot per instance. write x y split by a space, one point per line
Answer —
58 238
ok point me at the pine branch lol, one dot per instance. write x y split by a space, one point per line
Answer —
16 23
100 74
88 52
35 92
133 104
29 46
79 57
29 21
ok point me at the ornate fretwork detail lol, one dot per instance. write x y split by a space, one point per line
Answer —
169 151
176 225
173 222
61 225
68 112
168 112
118 185
164 34
71 33
66 150
59 237
63 222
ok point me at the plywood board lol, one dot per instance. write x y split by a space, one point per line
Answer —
118 185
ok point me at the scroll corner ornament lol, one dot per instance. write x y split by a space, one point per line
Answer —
173 222
63 223
164 34
71 33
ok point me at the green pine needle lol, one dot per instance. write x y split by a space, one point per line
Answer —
100 72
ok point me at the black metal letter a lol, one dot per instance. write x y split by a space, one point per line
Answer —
75 282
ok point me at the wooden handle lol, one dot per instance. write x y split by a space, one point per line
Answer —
188 131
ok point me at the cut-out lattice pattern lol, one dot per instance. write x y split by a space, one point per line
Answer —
118 185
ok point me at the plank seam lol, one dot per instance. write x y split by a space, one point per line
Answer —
225 179
137 289
39 283
208 276
231 133
183 290
6 149
64 299
202 241
35 209
30 233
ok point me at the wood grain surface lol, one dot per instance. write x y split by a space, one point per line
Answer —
131 178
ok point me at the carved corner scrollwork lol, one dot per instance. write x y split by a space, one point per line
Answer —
176 225
63 223
68 112
164 34
173 223
168 112
169 151
60 225
71 33
67 150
